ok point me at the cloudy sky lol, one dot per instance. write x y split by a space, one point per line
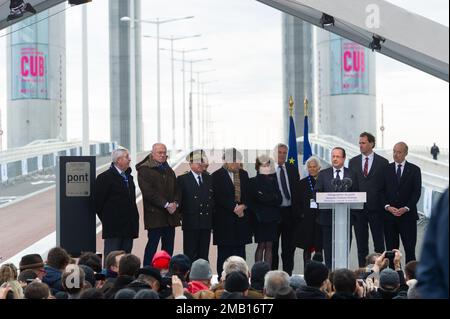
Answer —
244 42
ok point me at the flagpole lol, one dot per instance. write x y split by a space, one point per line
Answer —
291 106
306 102
292 154
307 152
305 138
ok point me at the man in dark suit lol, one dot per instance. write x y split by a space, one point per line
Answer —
115 204
325 184
196 207
231 222
369 169
288 179
403 186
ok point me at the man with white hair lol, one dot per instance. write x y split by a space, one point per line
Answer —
308 235
234 263
274 281
158 184
115 204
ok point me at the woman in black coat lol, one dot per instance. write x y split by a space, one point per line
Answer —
309 234
265 201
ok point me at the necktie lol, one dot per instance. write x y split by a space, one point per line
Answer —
399 172
284 186
200 182
366 167
125 178
338 177
237 187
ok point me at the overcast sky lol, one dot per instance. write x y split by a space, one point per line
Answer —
244 40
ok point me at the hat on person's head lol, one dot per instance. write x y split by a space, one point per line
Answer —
179 264
389 279
200 270
31 261
149 271
259 270
236 281
297 281
161 260
315 273
89 275
197 156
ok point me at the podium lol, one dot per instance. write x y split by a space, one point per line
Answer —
341 203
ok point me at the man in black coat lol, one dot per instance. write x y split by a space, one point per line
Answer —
115 204
289 184
324 184
369 170
197 204
403 187
231 222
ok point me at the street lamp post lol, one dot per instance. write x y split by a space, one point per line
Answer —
191 127
203 108
191 134
158 22
172 39
198 99
183 53
203 129
132 53
86 148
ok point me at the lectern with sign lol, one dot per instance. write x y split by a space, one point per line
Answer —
75 214
340 204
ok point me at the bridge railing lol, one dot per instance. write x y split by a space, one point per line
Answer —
20 162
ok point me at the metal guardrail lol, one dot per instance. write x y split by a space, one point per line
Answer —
20 162
28 151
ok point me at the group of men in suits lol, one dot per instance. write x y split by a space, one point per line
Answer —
202 203
393 191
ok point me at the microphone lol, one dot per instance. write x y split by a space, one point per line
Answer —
346 184
336 184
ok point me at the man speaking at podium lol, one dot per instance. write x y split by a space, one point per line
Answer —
334 179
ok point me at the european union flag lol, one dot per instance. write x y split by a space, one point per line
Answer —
307 152
292 155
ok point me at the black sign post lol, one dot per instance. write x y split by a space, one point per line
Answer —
75 213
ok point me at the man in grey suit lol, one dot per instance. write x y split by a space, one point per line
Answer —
369 170
326 183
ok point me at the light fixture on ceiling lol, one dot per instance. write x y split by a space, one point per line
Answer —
17 8
375 45
326 20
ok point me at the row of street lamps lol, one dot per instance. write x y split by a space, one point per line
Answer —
172 39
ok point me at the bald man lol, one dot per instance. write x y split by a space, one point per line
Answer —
158 184
403 184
